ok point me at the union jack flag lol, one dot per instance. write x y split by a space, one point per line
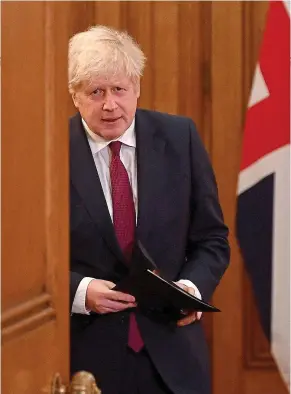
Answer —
263 210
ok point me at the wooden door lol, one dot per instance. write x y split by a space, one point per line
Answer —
34 196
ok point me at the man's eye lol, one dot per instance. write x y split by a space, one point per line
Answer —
97 92
118 89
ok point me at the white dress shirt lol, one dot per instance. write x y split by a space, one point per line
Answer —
102 156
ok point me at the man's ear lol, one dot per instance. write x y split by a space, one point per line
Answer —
75 100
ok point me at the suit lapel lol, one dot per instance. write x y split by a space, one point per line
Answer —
150 171
86 180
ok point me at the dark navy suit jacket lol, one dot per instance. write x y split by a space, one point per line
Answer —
181 225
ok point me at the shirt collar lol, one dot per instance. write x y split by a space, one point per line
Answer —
97 143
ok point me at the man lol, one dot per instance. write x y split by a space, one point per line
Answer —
136 175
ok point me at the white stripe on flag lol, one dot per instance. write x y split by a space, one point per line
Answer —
280 316
287 6
263 167
260 90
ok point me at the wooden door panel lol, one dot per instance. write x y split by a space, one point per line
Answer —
20 136
34 195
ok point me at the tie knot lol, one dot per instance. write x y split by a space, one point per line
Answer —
115 147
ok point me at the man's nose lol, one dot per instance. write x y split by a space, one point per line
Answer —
109 103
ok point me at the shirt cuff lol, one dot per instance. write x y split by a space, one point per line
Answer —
79 304
197 293
188 283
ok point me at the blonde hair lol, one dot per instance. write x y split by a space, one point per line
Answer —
103 51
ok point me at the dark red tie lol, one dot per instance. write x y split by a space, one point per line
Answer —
124 224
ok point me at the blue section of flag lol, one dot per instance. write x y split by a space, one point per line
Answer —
255 236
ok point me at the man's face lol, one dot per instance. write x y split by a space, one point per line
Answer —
108 105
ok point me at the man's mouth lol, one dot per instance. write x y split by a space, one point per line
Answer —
110 120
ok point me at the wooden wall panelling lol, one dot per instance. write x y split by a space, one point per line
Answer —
166 56
195 65
226 142
80 15
205 73
190 61
138 23
194 79
108 13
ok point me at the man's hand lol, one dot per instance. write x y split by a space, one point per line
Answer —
101 299
189 317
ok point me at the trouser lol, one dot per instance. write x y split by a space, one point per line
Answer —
140 375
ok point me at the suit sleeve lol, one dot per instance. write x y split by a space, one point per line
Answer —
208 252
75 280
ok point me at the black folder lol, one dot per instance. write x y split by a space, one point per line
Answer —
156 295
